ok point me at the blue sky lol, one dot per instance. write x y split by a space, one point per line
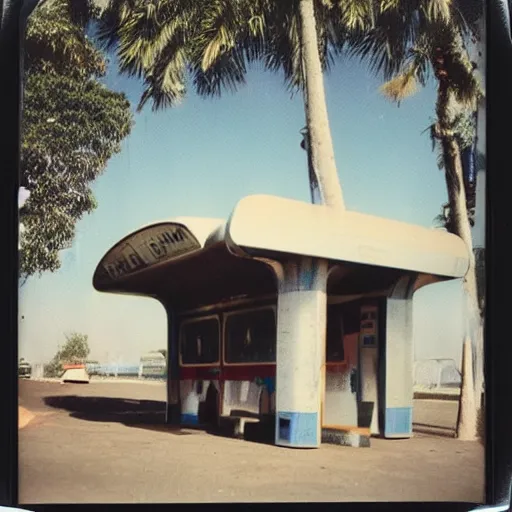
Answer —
200 158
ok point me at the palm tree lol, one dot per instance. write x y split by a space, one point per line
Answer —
210 43
406 57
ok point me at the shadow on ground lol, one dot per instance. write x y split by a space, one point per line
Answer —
150 415
424 428
145 414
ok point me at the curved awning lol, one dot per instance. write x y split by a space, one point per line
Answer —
273 225
183 261
194 261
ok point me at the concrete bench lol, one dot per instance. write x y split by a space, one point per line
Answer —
235 424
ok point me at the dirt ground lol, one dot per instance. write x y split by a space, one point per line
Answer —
106 443
24 417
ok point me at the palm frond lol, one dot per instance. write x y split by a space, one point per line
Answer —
226 73
400 87
165 83
283 49
221 23
356 15
385 47
115 13
432 132
438 10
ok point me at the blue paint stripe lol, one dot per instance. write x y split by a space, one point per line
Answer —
297 429
189 419
398 421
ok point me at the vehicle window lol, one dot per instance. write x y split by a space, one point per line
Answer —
251 337
335 332
200 342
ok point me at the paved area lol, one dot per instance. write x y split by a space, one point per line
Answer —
106 443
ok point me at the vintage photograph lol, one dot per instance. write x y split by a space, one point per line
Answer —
251 251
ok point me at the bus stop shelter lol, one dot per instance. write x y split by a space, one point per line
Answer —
305 256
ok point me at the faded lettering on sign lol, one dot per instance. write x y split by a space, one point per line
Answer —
147 248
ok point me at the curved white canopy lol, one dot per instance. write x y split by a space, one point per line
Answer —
265 223
181 250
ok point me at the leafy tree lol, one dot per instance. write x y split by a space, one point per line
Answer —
407 45
53 369
72 125
75 350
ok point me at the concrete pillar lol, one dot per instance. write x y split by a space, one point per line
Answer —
398 363
173 409
369 362
301 330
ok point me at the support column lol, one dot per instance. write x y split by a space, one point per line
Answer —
301 330
399 361
173 406
369 362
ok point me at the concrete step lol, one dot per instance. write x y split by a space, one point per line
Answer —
356 437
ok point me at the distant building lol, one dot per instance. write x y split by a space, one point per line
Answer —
113 370
153 365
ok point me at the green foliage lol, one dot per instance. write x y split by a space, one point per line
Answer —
72 125
75 350
53 369
210 43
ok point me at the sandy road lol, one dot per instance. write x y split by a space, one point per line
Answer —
106 443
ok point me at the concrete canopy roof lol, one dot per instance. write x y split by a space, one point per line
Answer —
275 225
185 258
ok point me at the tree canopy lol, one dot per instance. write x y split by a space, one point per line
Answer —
75 350
209 44
72 125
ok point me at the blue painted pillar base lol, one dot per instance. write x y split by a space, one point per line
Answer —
189 420
398 423
297 429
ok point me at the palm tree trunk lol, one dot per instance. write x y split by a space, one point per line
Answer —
479 228
466 420
320 140
468 408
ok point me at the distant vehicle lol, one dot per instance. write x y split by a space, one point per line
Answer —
24 369
75 373
153 365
